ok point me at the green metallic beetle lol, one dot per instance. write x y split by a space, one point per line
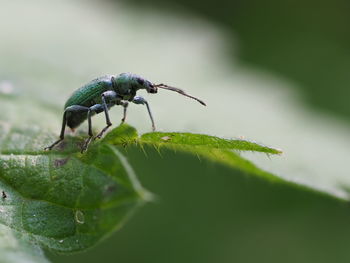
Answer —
100 94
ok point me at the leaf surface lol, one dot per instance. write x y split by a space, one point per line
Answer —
67 201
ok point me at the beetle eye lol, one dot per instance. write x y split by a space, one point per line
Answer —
140 81
153 90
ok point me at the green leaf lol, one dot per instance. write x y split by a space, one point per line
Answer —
213 148
61 200
189 139
67 201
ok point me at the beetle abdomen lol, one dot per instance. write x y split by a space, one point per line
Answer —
74 120
90 93
87 96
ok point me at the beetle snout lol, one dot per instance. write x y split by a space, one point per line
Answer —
153 89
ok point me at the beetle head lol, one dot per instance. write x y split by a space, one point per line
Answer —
152 89
147 85
142 83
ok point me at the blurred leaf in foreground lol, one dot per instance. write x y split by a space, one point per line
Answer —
16 247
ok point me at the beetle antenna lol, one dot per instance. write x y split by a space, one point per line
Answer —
182 92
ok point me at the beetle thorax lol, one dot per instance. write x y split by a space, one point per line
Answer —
126 85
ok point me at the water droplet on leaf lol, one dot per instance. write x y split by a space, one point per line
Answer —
79 217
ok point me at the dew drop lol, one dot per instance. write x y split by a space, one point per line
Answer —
61 241
79 217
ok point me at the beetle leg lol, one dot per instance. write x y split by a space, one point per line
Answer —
88 140
140 100
125 105
70 109
112 97
64 122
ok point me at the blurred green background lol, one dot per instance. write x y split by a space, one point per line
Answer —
306 42
272 71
